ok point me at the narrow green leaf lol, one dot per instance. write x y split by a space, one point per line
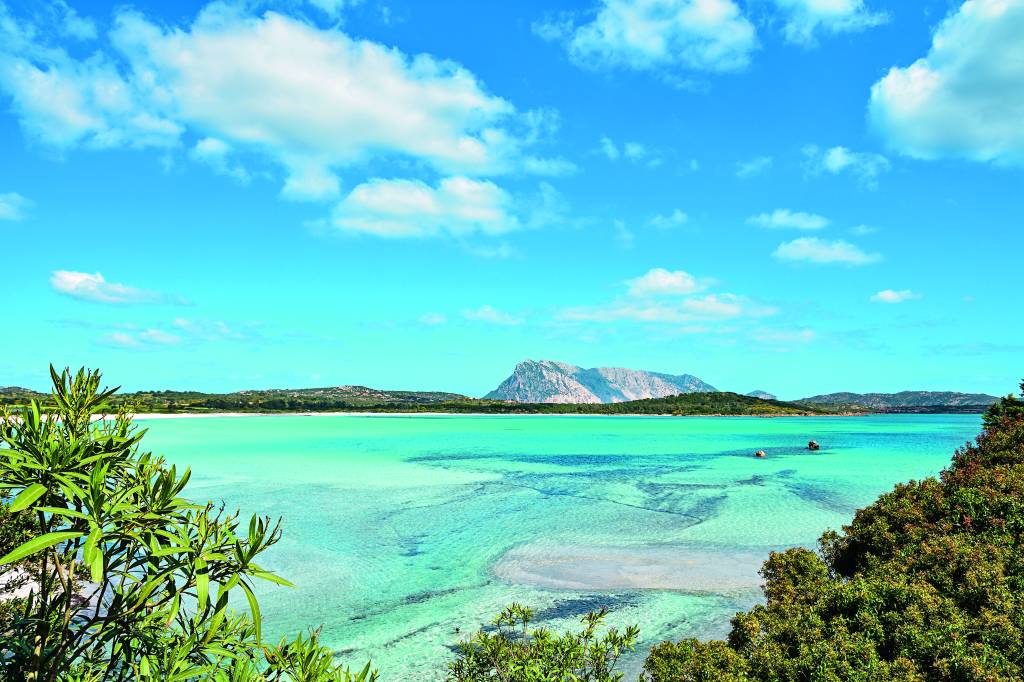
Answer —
62 511
96 567
88 551
40 543
27 496
202 583
267 575
254 608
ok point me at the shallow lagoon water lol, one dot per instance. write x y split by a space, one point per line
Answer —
399 529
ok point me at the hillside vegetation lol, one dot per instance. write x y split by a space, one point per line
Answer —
926 583
921 402
362 399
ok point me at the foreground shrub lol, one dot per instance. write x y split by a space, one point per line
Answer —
515 653
927 583
130 580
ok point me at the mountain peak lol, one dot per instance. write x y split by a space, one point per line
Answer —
551 381
763 395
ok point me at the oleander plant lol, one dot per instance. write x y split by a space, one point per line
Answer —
112 575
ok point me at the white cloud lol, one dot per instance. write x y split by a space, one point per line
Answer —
964 98
158 336
13 206
862 230
215 153
814 250
142 339
64 102
333 8
703 35
502 251
750 168
75 25
433 319
120 339
632 151
623 234
94 287
676 218
458 206
807 18
491 315
783 218
698 308
865 166
312 100
785 336
553 167
660 282
209 330
892 296
609 148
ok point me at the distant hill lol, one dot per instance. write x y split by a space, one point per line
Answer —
763 395
905 401
547 381
268 400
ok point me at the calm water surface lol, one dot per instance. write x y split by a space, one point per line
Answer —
400 529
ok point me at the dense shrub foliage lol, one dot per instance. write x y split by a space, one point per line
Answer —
360 399
927 583
130 581
514 652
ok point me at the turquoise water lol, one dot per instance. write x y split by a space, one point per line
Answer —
400 529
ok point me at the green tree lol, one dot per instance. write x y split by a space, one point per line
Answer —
516 653
131 581
926 583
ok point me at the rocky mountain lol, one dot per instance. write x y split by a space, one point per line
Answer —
907 401
547 381
763 395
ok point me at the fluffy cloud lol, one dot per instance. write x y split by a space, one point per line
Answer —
660 282
312 100
693 309
492 315
702 35
333 8
807 18
865 166
13 206
433 319
891 296
458 206
783 218
644 304
964 98
676 218
94 287
785 337
753 167
216 154
814 250
141 339
631 151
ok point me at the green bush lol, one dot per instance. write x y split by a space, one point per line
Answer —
927 583
515 653
131 580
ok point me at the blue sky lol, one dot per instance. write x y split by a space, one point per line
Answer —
800 196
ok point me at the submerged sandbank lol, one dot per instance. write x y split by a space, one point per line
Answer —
643 567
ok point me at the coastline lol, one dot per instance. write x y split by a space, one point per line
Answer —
144 416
